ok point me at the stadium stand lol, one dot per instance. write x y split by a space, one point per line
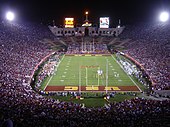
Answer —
151 50
21 51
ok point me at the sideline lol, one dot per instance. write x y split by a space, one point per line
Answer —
53 75
128 75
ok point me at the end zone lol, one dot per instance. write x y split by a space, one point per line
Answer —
87 54
92 88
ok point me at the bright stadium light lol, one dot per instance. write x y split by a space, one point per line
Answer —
10 16
86 12
164 16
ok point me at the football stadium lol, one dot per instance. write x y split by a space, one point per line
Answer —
84 73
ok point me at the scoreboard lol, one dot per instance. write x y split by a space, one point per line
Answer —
104 22
69 22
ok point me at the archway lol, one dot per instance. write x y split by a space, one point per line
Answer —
86 31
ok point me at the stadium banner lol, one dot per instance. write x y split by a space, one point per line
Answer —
69 22
104 22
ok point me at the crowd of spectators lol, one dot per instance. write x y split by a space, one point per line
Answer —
151 50
48 69
21 51
86 45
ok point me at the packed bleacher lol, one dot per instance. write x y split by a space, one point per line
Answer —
83 45
21 51
151 50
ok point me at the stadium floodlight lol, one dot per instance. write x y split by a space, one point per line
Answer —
86 12
164 16
10 16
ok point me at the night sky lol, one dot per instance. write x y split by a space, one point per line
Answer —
44 11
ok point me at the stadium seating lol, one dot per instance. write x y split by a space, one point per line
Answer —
151 49
21 50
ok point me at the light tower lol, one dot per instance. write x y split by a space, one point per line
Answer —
119 24
86 21
86 13
54 23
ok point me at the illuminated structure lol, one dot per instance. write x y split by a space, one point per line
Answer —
69 22
10 16
86 22
164 16
86 29
104 22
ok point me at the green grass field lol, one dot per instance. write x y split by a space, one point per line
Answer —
95 102
75 70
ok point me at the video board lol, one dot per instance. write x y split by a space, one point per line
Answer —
104 22
69 22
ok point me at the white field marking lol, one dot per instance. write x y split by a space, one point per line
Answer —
127 74
97 77
63 76
53 75
119 80
62 80
48 82
65 72
113 69
66 69
115 72
67 66
111 66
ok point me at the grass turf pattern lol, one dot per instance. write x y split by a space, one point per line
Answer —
75 70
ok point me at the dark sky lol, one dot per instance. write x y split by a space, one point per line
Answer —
129 11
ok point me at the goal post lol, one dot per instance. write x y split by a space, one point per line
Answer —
86 77
106 75
79 80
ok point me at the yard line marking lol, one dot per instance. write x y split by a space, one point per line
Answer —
127 74
119 80
48 82
53 75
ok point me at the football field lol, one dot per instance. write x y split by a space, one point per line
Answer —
90 73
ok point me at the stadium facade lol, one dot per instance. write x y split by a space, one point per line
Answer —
86 29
